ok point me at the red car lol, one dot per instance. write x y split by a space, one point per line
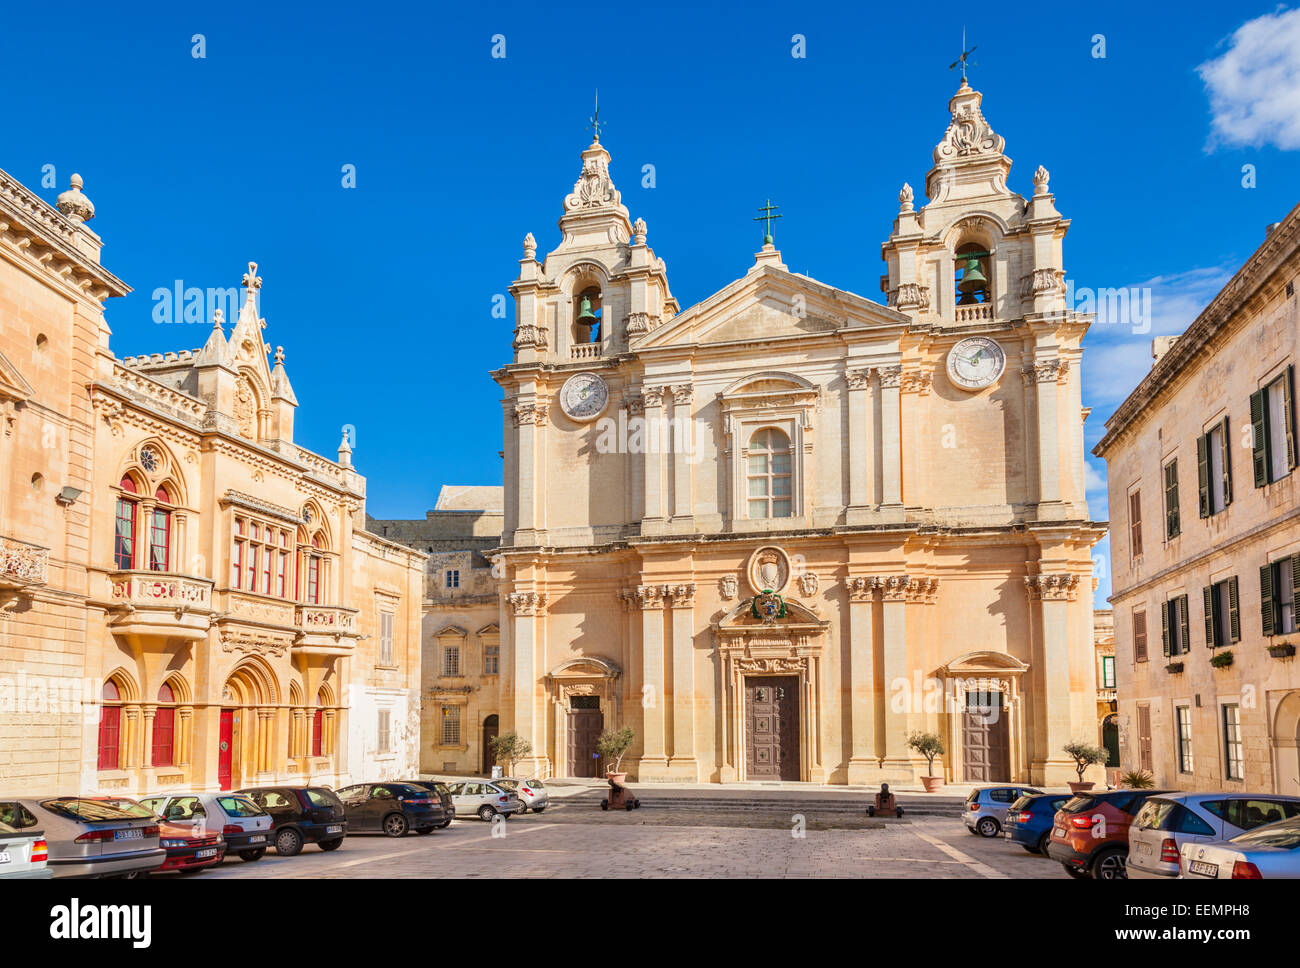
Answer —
1090 833
188 848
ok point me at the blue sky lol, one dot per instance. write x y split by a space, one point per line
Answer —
197 165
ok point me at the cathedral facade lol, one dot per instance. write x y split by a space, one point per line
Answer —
784 529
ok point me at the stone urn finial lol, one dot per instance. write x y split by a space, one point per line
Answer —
530 246
72 203
1040 181
905 198
638 231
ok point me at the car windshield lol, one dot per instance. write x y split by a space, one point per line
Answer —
973 797
1280 836
535 784
133 809
508 784
15 815
1023 802
322 798
1156 814
239 807
1079 804
88 811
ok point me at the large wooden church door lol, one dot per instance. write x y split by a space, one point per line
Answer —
985 739
772 728
585 723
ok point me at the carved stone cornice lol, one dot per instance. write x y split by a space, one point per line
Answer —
1059 587
527 603
683 393
681 595
1046 371
530 336
529 414
857 379
891 377
861 589
917 381
895 588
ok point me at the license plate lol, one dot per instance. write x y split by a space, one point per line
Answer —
1058 832
4 857
133 833
1143 848
210 852
334 828
259 839
1204 869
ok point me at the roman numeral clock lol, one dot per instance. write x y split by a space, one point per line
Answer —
976 362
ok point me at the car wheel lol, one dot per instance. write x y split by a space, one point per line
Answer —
1110 865
1042 843
486 813
251 855
288 842
395 825
523 808
1078 873
334 844
988 827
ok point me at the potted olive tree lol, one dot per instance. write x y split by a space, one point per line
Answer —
612 746
928 745
1084 756
510 747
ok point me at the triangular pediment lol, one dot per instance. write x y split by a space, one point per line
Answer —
770 303
13 386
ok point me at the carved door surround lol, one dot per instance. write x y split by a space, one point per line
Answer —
748 648
580 676
986 673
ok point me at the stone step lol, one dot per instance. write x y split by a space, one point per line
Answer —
767 803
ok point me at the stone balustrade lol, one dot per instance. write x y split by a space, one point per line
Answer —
22 564
979 313
584 351
141 589
318 619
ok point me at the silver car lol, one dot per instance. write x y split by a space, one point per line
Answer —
244 825
90 838
483 797
986 807
23 850
531 793
1265 853
1169 822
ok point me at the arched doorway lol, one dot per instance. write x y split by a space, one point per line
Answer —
584 693
246 725
491 729
1286 744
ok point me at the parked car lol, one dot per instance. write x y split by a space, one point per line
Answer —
245 826
87 837
1090 832
1029 821
443 793
391 808
24 853
1166 824
301 815
187 849
484 798
986 807
531 793
1265 853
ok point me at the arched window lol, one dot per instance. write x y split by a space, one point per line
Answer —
160 529
110 718
164 727
318 725
972 262
769 475
124 528
586 316
313 592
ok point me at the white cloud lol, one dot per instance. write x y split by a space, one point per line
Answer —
1254 86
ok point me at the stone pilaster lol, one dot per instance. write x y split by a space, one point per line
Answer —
683 444
1051 595
891 444
856 451
526 609
683 765
649 601
896 765
864 764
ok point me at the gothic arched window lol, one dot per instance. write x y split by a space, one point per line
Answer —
972 274
769 474
164 727
110 720
160 527
124 528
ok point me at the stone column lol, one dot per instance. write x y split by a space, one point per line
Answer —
683 443
1045 374
897 763
530 418
855 448
327 740
863 761
129 740
649 599
891 442
527 607
684 765
296 746
654 444
1053 593
146 752
184 736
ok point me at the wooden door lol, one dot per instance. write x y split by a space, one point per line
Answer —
986 740
491 729
225 748
772 728
584 729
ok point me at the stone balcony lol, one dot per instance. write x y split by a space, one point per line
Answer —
22 566
325 629
584 351
978 313
157 607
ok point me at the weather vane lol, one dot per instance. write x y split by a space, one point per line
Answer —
767 216
962 60
595 118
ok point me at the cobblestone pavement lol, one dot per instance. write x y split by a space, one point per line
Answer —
578 840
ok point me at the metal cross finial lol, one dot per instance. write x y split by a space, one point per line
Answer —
595 118
767 217
965 55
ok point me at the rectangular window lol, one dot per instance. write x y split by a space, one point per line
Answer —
386 638
281 573
450 725
1145 758
252 564
1232 757
313 580
1173 521
491 660
1139 635
1184 720
382 742
453 578
1108 672
1222 617
159 540
1278 583
1214 467
236 562
451 660
164 727
1272 417
1135 523
317 728
268 562
1173 625
124 536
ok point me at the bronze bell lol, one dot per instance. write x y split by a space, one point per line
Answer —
972 281
585 316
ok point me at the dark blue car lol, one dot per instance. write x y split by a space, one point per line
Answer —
1029 820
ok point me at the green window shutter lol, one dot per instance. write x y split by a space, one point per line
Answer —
1225 451
1183 625
1288 398
1234 611
1295 577
1173 526
1259 436
1207 594
1266 598
1164 627
1203 472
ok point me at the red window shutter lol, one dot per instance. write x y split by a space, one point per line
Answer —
317 725
109 719
164 728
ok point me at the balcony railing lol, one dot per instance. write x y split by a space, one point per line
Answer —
584 351
22 564
326 620
979 313
142 589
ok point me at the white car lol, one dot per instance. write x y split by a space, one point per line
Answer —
482 797
24 854
532 793
245 826
1170 822
1265 853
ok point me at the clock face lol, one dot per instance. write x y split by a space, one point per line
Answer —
976 362
584 396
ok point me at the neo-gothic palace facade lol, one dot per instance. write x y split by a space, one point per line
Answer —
780 530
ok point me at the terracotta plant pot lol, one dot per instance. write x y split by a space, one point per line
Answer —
931 783
1080 787
619 778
